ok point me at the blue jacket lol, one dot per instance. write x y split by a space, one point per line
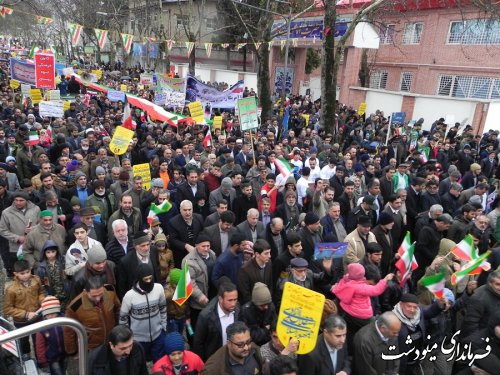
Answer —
228 265
49 346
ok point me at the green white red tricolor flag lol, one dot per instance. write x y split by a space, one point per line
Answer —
33 138
128 122
44 20
5 11
155 210
208 48
189 46
473 267
283 166
406 262
101 37
184 287
207 141
76 31
127 40
465 249
435 284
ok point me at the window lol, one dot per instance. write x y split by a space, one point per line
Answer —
474 32
413 33
386 34
406 80
211 23
378 79
469 87
182 20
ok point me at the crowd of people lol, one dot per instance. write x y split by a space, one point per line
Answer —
76 239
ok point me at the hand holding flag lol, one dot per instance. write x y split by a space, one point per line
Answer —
406 262
184 287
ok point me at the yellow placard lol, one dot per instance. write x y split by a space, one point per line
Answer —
143 171
140 87
362 109
66 104
14 84
121 140
195 109
97 72
199 119
123 88
36 96
305 117
217 122
300 316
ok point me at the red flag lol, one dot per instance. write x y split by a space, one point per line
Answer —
128 122
207 141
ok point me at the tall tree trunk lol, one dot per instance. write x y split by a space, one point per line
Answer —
228 58
245 58
328 69
192 61
262 55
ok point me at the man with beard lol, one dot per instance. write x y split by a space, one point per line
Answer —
120 244
123 184
144 310
119 354
244 202
299 274
132 215
289 211
103 199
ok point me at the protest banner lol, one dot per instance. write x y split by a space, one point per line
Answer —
121 140
174 89
54 95
51 109
45 71
146 79
160 98
143 171
22 71
300 317
198 91
328 250
116 96
217 122
66 105
362 109
247 112
98 73
36 96
123 88
25 89
196 112
14 84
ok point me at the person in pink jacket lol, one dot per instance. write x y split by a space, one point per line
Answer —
353 293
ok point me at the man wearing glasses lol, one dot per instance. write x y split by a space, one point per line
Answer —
238 356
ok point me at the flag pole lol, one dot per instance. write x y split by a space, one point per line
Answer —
251 142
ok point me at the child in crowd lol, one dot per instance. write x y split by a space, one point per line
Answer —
49 349
166 257
22 300
51 272
176 314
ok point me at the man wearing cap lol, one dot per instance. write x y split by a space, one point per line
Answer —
225 191
385 239
428 240
449 199
201 261
365 209
128 265
310 234
105 161
103 200
123 184
11 178
401 180
299 274
46 229
132 215
357 240
97 231
16 222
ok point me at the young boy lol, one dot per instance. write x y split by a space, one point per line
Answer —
22 299
50 353
51 272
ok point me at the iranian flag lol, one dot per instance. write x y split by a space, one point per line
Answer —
207 141
465 249
33 138
44 20
101 37
406 263
76 31
474 267
34 49
155 210
283 166
128 122
127 40
435 284
184 287
5 11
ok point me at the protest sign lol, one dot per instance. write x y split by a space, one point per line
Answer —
116 96
25 89
51 109
36 96
14 84
121 140
362 109
143 171
160 98
196 112
328 250
146 79
54 95
300 316
45 71
22 71
123 88
97 72
247 112
217 122
174 89
66 105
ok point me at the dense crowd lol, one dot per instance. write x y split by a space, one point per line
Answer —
76 239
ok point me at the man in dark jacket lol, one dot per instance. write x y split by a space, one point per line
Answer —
462 223
276 237
213 320
120 355
449 200
121 243
413 201
330 355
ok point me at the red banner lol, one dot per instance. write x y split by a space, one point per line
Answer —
45 71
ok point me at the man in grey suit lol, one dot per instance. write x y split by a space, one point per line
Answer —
225 191
220 234
252 228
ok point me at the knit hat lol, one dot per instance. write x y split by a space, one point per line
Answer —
74 201
71 165
96 254
21 194
408 297
45 213
355 271
175 275
261 294
358 168
100 170
10 158
124 176
475 167
311 218
50 305
98 183
79 174
202 238
289 193
160 238
174 342
385 218
157 183
141 238
226 183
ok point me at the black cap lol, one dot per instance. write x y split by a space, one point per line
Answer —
364 221
408 297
